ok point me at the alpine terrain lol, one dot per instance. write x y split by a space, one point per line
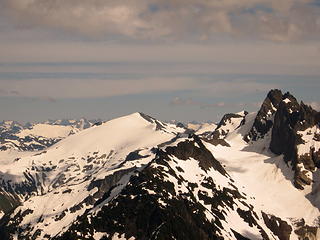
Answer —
250 176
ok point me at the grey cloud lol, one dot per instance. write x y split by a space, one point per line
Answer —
182 101
178 101
52 89
92 88
274 20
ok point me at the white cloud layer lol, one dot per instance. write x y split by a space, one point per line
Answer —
276 20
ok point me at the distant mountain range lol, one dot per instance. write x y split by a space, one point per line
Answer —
250 176
38 136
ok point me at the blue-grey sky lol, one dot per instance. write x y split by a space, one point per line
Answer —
184 60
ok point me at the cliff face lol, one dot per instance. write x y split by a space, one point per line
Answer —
264 119
295 134
293 128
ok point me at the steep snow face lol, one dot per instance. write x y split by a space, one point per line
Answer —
265 176
59 183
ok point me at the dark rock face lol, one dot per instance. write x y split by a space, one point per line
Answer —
306 232
8 201
216 141
290 118
135 155
263 121
284 118
104 185
283 134
187 149
279 227
12 193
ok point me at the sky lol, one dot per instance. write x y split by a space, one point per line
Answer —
172 59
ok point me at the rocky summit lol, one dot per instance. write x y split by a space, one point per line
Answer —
250 176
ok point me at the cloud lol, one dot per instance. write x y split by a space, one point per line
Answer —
243 86
52 89
178 101
182 101
227 58
274 20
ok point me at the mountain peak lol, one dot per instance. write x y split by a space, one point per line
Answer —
275 96
263 120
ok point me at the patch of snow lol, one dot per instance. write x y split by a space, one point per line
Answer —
308 139
98 235
117 236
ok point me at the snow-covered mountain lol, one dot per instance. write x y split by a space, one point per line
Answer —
202 128
252 176
38 136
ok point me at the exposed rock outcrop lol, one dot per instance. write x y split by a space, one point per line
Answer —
293 122
263 121
279 227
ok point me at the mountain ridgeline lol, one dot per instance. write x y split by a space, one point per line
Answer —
251 176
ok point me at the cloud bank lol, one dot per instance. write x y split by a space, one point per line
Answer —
275 20
97 88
